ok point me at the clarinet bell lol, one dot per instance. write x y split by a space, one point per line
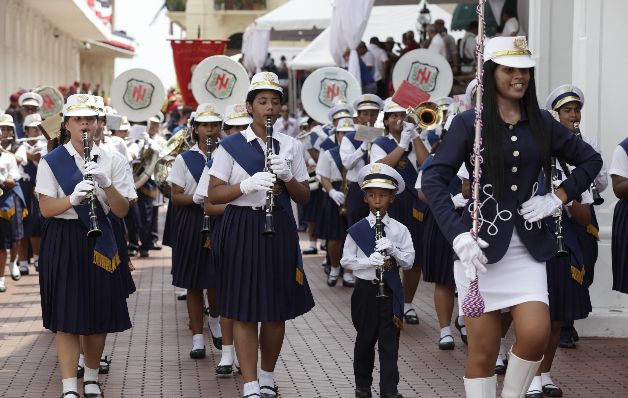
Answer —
381 293
561 250
269 228
205 228
93 232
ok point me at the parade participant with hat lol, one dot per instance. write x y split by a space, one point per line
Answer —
377 319
619 249
368 107
236 119
157 141
313 208
258 277
513 243
27 156
11 204
192 264
403 149
91 301
30 103
13 207
333 218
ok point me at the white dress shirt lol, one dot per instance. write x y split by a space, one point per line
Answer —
377 153
180 174
326 167
8 167
353 258
112 165
601 179
228 170
22 160
128 188
116 143
619 164
437 45
351 159
380 61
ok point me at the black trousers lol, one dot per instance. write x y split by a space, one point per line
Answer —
139 222
373 320
155 226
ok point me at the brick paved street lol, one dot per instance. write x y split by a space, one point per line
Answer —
151 360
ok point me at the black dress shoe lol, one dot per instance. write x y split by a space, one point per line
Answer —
332 280
550 390
269 392
324 246
132 252
566 341
446 345
198 353
155 246
103 368
216 341
363 392
70 394
391 395
311 250
143 253
182 297
99 395
224 370
534 394
410 317
463 337
347 283
80 372
500 369
254 395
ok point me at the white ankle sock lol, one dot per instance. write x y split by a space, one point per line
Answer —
70 384
335 271
252 387
91 375
407 307
445 331
536 384
546 379
1 279
198 342
499 361
348 277
227 355
214 326
81 361
266 378
24 262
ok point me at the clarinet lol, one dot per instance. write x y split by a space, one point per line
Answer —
269 225
206 226
561 251
595 194
379 233
91 198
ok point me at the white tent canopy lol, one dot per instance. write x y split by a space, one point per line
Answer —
384 21
297 15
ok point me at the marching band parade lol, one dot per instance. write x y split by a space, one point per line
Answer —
486 191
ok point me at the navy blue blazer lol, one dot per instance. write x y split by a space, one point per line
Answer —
522 166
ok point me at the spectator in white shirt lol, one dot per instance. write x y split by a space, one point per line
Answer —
381 66
286 124
436 42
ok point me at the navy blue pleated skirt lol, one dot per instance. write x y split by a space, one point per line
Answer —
568 299
168 237
437 255
619 246
257 272
357 209
313 208
77 296
192 264
117 224
32 223
333 226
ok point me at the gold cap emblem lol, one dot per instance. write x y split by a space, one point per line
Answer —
375 168
82 98
270 77
521 43
239 108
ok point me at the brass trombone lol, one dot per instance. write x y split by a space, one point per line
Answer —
427 115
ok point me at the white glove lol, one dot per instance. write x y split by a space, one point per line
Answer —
364 146
470 253
384 244
311 162
406 136
376 259
98 173
280 168
155 147
538 207
260 181
337 196
459 201
80 192
198 199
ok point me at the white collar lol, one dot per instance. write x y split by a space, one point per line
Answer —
371 219
250 135
95 150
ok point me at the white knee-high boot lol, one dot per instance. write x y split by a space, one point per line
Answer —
481 388
519 375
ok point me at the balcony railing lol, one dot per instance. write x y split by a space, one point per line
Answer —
237 5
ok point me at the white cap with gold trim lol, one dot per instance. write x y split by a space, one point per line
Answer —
368 101
265 81
30 99
390 106
80 105
236 115
206 113
6 120
100 104
32 120
562 95
345 124
509 51
379 175
124 124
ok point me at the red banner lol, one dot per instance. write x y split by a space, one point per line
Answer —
189 53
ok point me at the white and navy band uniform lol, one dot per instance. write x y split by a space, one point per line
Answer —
377 320
619 249
517 249
28 98
192 263
11 201
588 235
260 285
95 276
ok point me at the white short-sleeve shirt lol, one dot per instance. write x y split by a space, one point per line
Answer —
181 175
378 153
114 168
8 167
228 170
326 167
126 189
351 159
619 164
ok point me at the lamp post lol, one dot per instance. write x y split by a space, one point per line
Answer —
425 18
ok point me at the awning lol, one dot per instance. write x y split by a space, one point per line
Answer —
297 15
73 17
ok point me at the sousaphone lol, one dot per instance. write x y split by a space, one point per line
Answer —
322 86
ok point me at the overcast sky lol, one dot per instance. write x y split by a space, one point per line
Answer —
153 50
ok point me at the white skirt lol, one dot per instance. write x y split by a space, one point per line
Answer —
516 278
